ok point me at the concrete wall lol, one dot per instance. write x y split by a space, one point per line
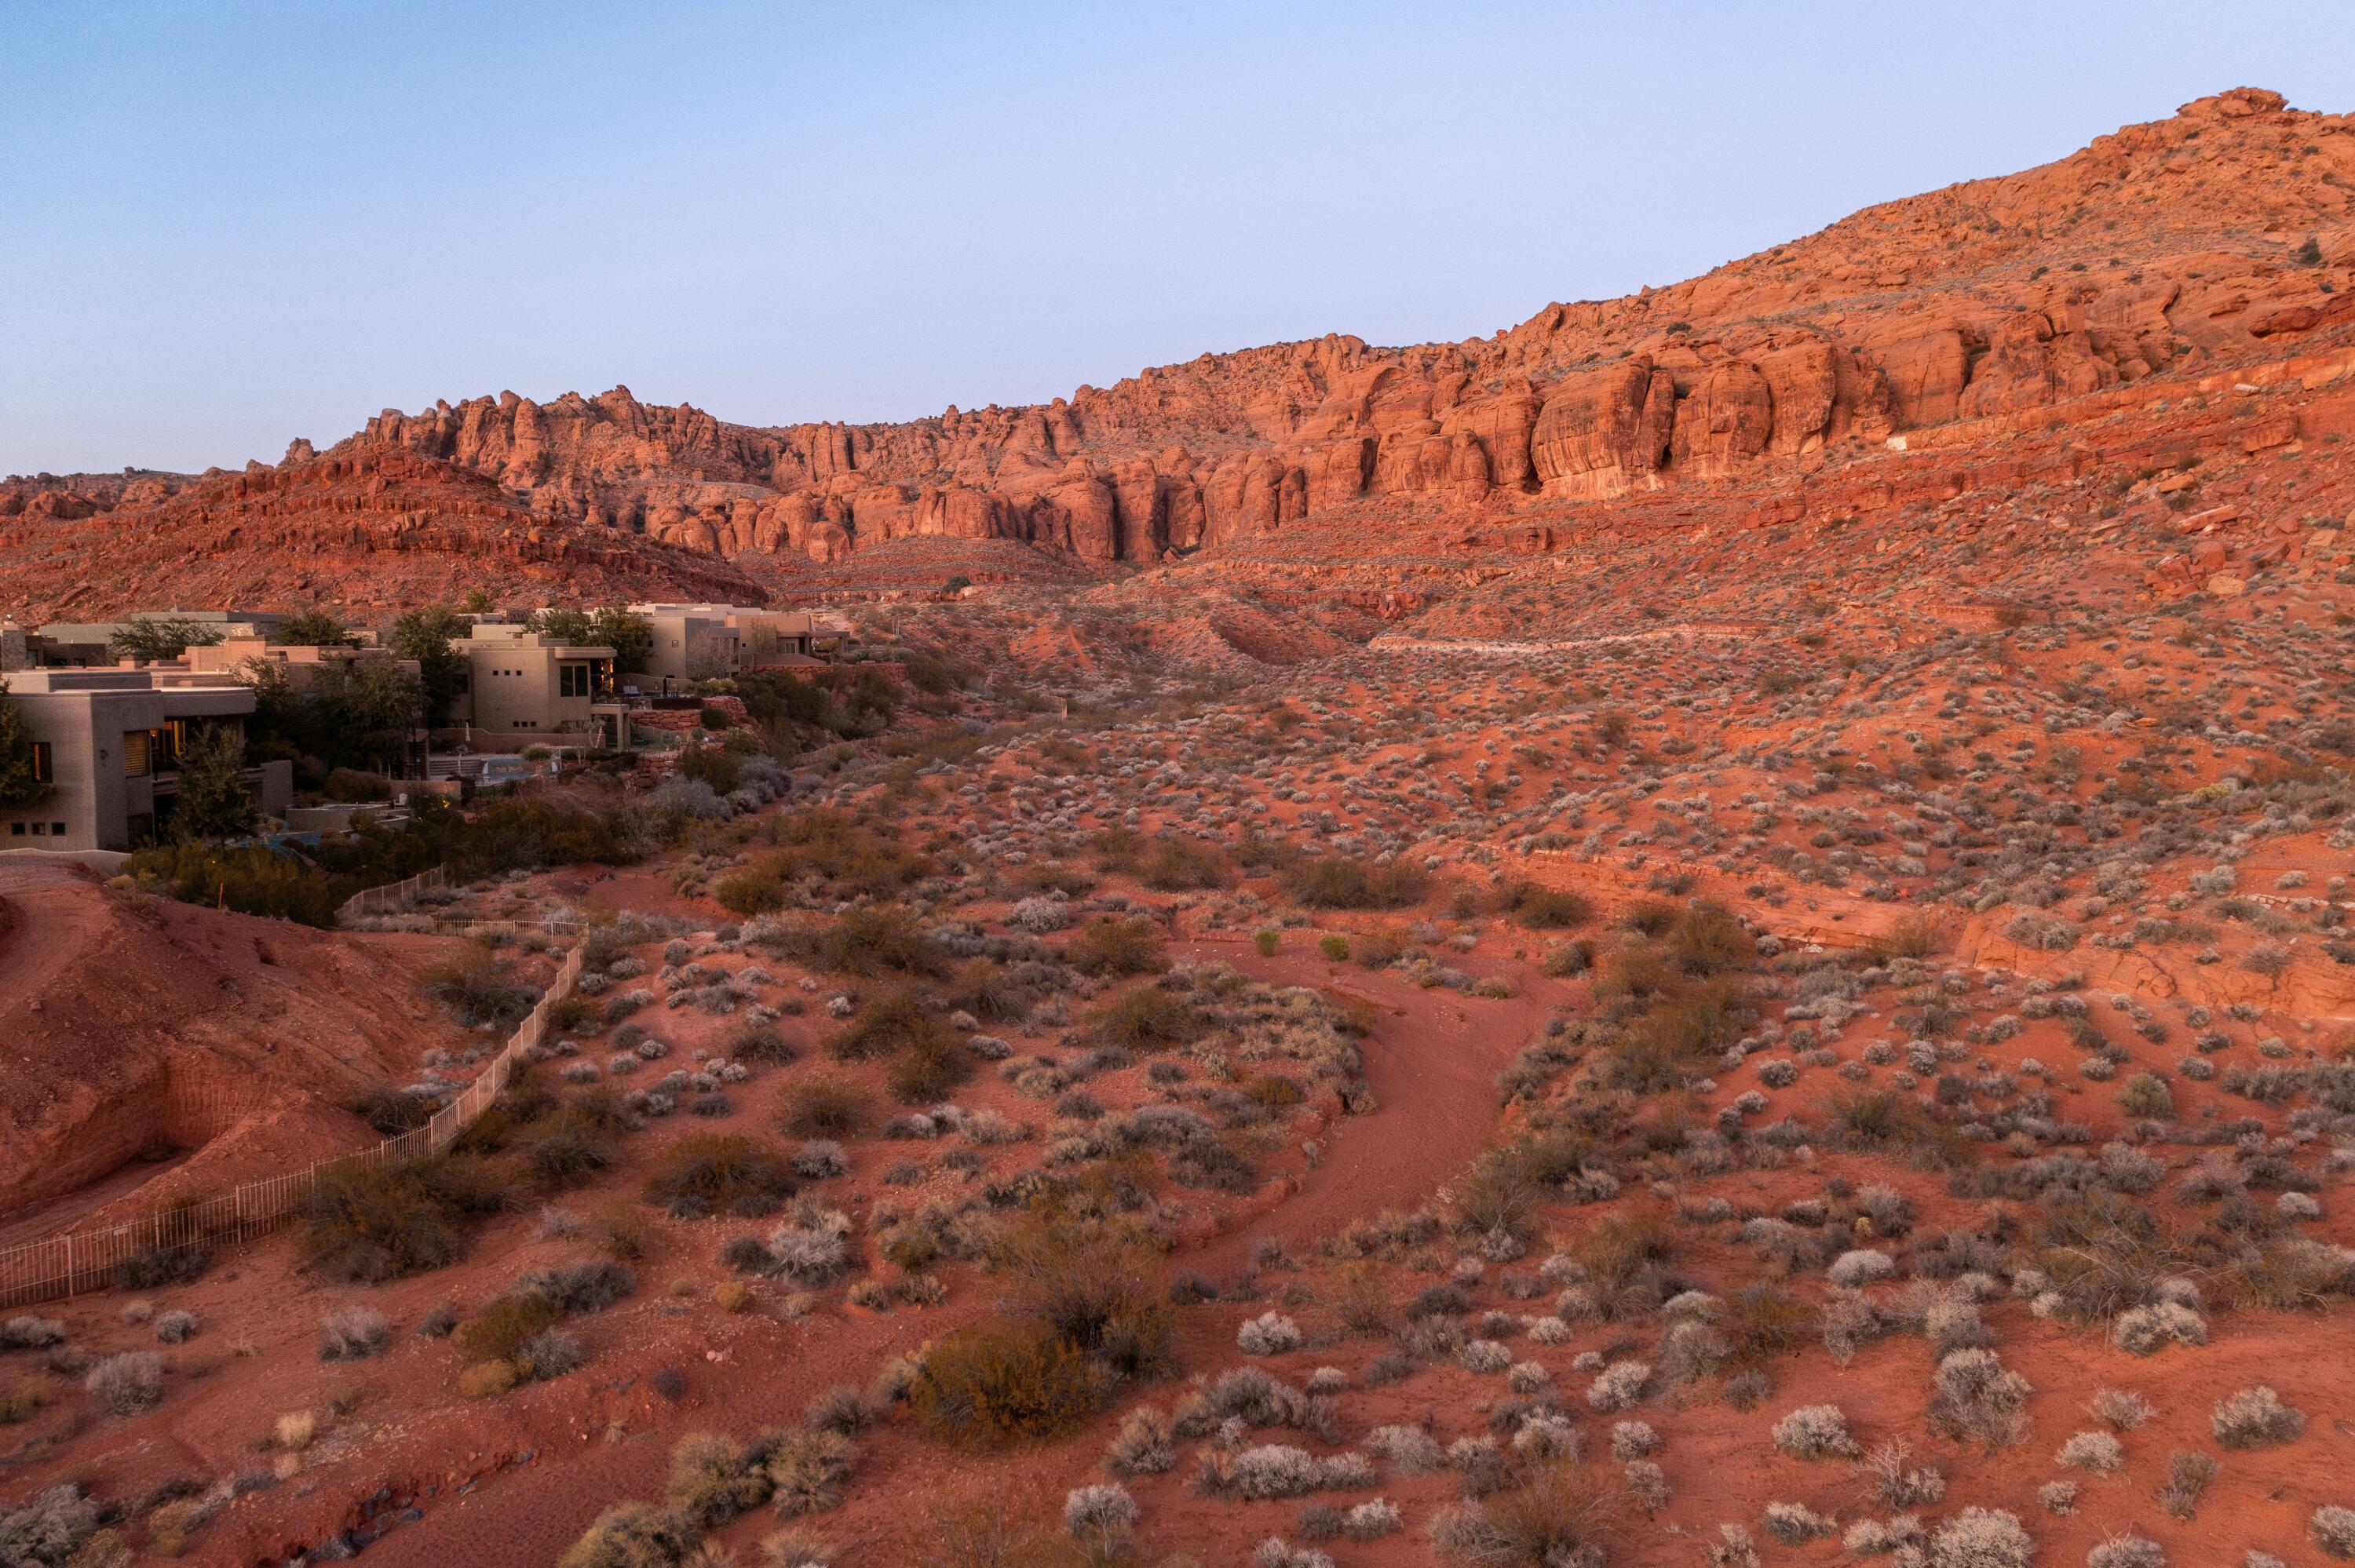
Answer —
87 717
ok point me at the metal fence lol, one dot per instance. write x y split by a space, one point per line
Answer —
393 896
74 1262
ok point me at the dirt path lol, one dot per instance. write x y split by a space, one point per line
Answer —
1431 1062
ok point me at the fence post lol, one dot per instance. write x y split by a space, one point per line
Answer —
70 1269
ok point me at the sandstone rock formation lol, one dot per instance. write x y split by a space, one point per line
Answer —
2218 237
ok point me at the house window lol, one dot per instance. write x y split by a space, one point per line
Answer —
135 764
44 768
572 681
15 829
56 829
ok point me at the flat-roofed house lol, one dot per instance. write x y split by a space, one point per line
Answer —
109 743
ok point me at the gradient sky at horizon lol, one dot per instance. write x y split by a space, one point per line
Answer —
226 226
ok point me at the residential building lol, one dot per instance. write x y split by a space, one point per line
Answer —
109 743
211 664
16 646
524 686
88 644
715 641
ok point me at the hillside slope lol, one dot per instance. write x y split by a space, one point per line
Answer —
2223 235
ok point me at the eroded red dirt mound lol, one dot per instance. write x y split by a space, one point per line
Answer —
133 1026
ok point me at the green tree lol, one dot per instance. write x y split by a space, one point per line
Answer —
311 627
474 602
563 623
214 803
154 640
426 634
631 637
18 788
366 709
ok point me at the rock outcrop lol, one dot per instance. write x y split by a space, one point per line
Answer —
2218 237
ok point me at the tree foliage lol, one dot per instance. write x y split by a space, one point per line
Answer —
151 640
214 802
19 787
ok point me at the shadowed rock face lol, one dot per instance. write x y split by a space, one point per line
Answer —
2189 244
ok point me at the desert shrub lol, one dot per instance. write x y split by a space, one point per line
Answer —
127 1383
823 1107
1100 1515
551 1352
384 1222
353 1334
498 1332
928 1070
1371 1521
1761 1323
1546 908
1339 882
29 1333
707 1174
176 1328
809 1472
1618 1386
882 938
1558 1520
1142 1445
1149 1019
2146 1095
2120 1410
898 1023
2126 1552
1982 1538
2147 1331
2333 1529
1410 1450
1269 1334
2095 1451
633 1535
488 1380
1795 1524
985 1389
2255 1418
1816 1432
1129 945
1706 939
578 1287
1976 1397
2188 1474
51 1528
1183 865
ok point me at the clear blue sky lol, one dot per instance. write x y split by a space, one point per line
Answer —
223 226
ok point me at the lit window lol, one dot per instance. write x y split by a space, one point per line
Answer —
44 770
